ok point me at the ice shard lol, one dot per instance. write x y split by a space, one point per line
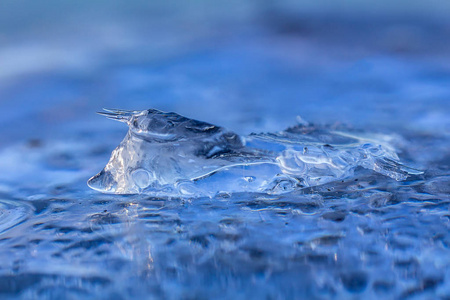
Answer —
166 154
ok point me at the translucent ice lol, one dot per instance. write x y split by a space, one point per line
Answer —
168 154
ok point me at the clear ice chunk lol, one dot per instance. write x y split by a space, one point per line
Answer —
166 154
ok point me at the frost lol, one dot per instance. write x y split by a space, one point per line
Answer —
171 155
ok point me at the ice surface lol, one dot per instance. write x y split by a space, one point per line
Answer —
168 154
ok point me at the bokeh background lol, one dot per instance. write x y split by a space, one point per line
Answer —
248 65
251 66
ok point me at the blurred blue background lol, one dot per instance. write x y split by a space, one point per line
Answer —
247 65
251 66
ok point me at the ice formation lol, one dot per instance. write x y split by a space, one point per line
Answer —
168 154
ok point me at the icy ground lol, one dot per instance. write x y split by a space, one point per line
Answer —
369 236
366 237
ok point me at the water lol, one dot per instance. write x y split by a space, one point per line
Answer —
367 236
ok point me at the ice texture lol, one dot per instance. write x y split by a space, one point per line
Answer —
168 154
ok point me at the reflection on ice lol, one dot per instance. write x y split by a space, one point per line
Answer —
170 155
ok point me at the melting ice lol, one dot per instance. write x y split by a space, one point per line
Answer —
166 154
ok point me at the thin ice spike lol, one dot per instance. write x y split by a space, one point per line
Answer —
114 116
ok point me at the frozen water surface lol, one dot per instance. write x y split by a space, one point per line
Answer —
360 236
